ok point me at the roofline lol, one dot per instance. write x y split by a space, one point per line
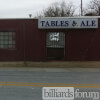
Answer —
48 17
73 17
17 18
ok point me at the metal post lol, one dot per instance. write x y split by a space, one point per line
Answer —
99 10
81 8
24 36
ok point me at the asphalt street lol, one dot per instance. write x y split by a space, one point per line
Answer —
27 83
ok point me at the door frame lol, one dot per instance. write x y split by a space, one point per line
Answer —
64 45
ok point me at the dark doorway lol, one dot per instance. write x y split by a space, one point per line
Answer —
55 45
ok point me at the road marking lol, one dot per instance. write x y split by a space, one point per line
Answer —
49 85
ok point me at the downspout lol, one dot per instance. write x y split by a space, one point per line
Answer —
24 38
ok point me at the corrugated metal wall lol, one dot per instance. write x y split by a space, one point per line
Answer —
80 44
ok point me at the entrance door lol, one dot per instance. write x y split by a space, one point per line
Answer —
55 44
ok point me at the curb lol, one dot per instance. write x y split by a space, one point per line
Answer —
56 64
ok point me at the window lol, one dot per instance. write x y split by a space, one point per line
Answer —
55 40
7 40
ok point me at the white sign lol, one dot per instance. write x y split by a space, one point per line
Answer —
63 23
54 36
68 93
57 93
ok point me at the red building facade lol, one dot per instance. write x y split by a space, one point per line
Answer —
24 39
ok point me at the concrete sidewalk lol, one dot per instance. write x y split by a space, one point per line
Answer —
53 64
61 66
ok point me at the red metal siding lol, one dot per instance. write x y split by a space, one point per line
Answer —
35 42
80 44
12 54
